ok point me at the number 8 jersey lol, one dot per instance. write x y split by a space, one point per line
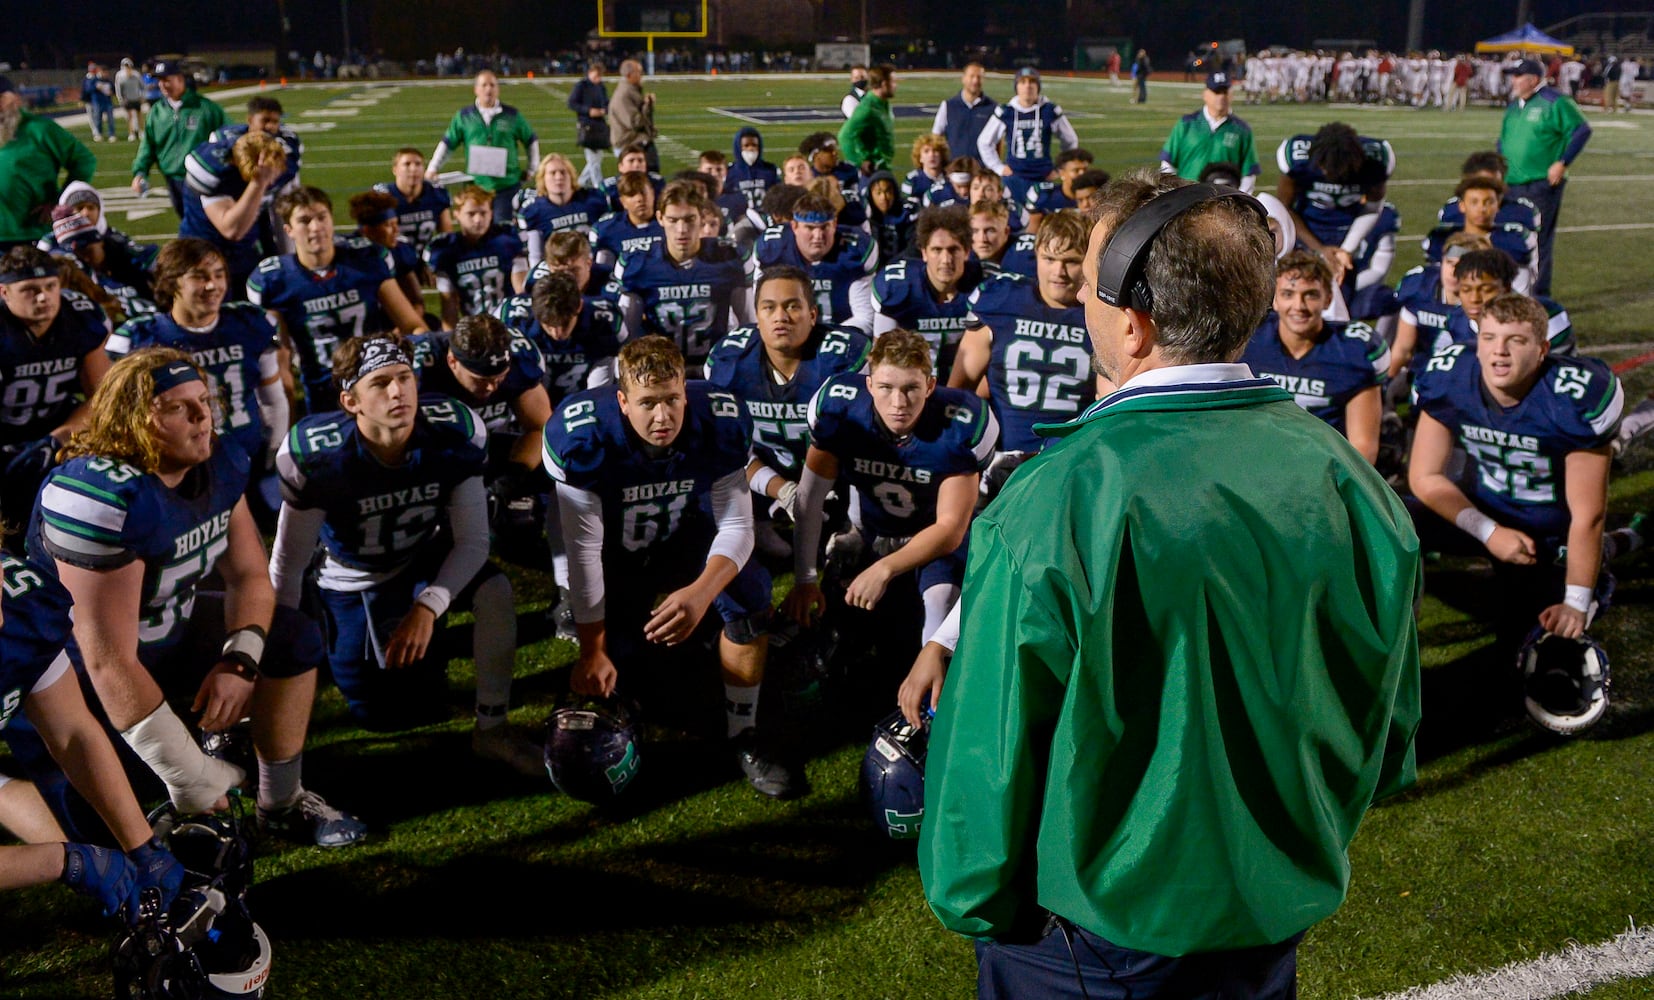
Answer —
1519 451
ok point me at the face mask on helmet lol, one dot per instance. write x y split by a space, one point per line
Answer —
592 749
1564 681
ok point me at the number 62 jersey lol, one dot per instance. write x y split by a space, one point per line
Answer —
1519 451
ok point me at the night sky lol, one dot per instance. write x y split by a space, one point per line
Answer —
409 29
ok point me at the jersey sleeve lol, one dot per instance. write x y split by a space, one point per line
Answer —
721 362
890 289
90 512
573 451
464 436
973 430
264 284
845 349
1588 389
130 336
828 408
1373 347
525 358
91 326
731 433
303 452
1433 386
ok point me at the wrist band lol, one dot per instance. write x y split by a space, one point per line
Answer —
1476 524
245 648
1578 598
761 480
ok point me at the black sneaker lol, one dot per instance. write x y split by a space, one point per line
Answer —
765 769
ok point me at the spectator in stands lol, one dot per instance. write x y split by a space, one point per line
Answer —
33 152
589 100
179 122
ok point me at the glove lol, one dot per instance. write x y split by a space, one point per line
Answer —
154 865
194 780
105 875
787 499
33 459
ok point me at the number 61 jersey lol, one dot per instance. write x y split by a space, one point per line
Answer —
898 481
1519 451
646 499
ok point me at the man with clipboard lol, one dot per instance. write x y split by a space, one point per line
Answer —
490 132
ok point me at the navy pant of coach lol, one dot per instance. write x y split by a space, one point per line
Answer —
1069 962
1549 202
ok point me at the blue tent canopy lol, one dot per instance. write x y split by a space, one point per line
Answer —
1527 38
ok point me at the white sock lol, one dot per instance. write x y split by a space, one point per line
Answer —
494 646
278 782
740 708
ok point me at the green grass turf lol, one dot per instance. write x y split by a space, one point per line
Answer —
1512 845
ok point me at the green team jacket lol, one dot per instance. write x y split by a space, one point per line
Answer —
869 134
29 168
507 129
1188 665
170 135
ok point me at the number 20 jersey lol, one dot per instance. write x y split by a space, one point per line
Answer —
898 481
1519 451
590 446
379 517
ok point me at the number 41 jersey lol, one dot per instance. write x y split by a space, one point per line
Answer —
589 446
1519 451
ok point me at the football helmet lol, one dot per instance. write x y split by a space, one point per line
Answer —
893 776
800 665
1564 681
592 749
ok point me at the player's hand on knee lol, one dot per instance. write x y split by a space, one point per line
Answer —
411 638
594 676
804 604
1559 619
922 683
1512 546
224 698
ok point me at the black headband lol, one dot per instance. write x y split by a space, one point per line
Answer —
380 352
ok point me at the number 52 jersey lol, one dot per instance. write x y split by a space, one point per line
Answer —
1519 451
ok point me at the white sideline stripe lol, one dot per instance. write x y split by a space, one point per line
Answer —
1578 968
1605 227
1627 345
1572 179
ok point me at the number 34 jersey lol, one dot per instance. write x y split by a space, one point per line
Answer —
646 499
1519 451
378 516
898 480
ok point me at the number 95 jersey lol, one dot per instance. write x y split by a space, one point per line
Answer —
1519 451
646 499
898 481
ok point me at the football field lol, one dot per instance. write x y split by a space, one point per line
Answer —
1513 847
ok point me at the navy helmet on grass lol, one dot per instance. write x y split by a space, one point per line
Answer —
893 776
1564 681
592 749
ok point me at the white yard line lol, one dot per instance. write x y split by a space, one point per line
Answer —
1578 968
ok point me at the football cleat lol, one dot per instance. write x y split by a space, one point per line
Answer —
311 820
502 745
763 766
893 776
1564 681
592 749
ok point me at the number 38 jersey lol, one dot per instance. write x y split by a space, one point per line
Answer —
379 517
646 499
479 271
1039 367
898 480
686 303
1519 451
321 309
40 376
100 513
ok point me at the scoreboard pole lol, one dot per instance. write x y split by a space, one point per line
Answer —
604 31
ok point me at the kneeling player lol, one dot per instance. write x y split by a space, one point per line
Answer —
146 507
652 490
914 454
393 488
1539 428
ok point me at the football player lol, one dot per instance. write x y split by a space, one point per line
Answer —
686 288
634 159
953 187
1484 275
796 170
474 265
1489 163
840 260
51 358
1329 179
571 254
888 220
326 291
422 210
652 490
914 454
498 375
930 159
1033 129
233 344
555 204
629 231
1027 341
146 507
731 202
749 172
374 213
392 486
1046 197
224 198
820 150
1428 294
1539 427
929 295
1479 206
1334 370
264 115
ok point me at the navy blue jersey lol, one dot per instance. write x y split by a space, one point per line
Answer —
854 212
404 257
892 232
1029 136
1520 451
916 185
133 301
35 629
1460 330
322 308
733 204
611 191
780 410
852 257
1420 295
379 517
237 354
1328 209
1387 225
944 195
535 213
100 513
686 303
289 140
1515 229
418 219
569 365
615 237
1348 359
1516 210
1047 197
1019 258
897 482
590 446
480 272
40 376
430 358
1039 367
210 173
902 294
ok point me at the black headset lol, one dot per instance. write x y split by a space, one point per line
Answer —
1120 280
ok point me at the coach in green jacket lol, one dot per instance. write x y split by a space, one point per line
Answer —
1188 662
180 121
868 138
490 132
34 153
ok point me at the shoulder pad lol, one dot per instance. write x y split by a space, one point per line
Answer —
573 450
454 417
84 507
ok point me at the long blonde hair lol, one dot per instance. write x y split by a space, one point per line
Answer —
119 427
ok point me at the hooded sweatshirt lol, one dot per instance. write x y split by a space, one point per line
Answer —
755 179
